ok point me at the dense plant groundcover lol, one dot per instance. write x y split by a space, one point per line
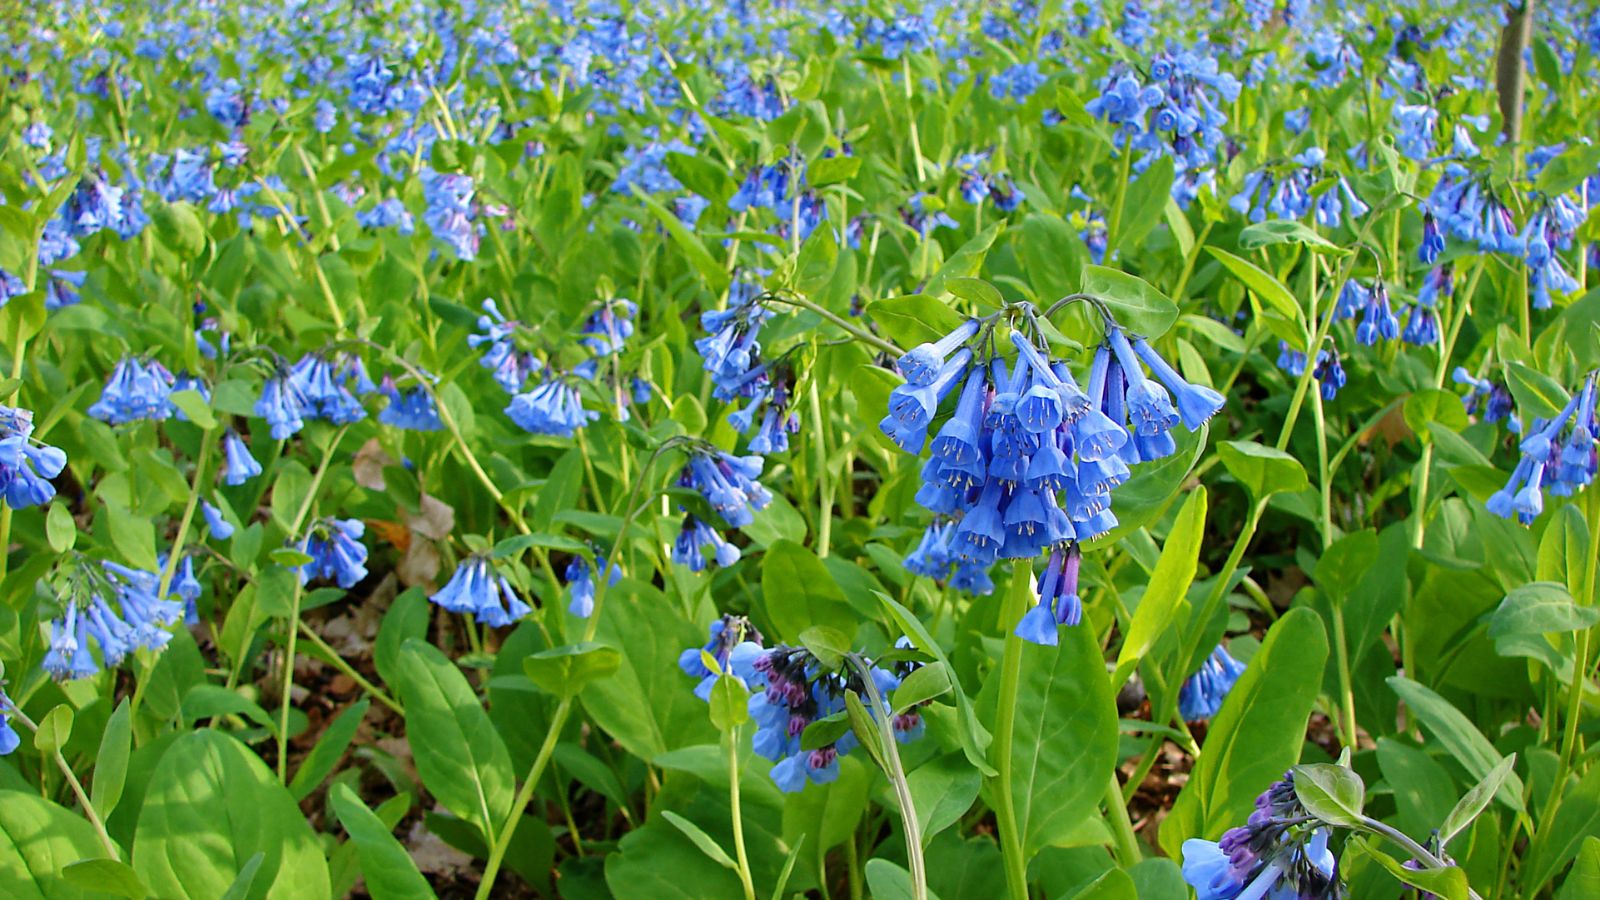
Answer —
688 449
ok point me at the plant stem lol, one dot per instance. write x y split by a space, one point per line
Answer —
338 662
106 842
1016 866
911 117
1126 842
188 514
288 681
882 713
855 331
824 489
738 815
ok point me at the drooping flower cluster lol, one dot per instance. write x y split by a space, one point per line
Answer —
238 465
1558 455
698 545
1202 693
336 552
734 645
731 349
1285 192
451 211
117 608
26 465
511 366
1328 372
1026 462
1372 305
728 483
580 583
553 407
791 690
316 387
1281 852
412 409
978 185
137 390
1490 397
477 589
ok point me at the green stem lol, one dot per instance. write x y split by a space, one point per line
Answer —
1126 842
106 842
855 331
1188 263
188 514
738 815
820 455
1016 865
1114 227
897 778
338 662
288 681
911 117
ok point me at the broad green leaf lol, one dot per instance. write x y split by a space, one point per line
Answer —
407 617
1170 581
1136 305
1053 255
55 729
1568 169
38 839
512 546
1577 817
1424 408
564 671
329 750
179 228
1458 735
1146 200
866 730
385 863
702 841
205 701
1543 607
967 261
730 703
1332 793
826 815
973 736
1262 470
1449 883
647 706
1257 735
1539 395
914 319
976 291
942 790
889 881
923 684
1269 289
829 645
195 407
832 170
798 593
59 529
659 862
1345 563
211 806
111 762
715 276
108 876
463 762
1064 699
1475 800
1583 880
1284 231
1421 787
133 536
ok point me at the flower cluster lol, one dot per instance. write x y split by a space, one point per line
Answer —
1558 454
977 186
1489 398
1027 460
733 647
580 583
26 465
136 391
1280 852
336 552
698 545
118 609
1202 693
1286 193
316 387
412 409
731 349
238 465
477 589
511 366
728 483
1328 372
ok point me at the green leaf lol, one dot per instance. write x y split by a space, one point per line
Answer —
330 748
832 170
888 881
195 407
1422 788
923 684
1262 470
1332 793
866 729
1543 607
178 227
703 841
828 644
1458 735
658 862
1577 817
1449 883
463 762
1283 231
966 261
1475 800
826 815
59 529
1539 395
133 536
730 703
1052 254
1269 289
974 738
976 291
1568 169
210 807
701 175
1257 735
914 319
387 866
646 711
825 731
111 762
1345 563
205 701
55 729
942 790
1169 583
1146 200
564 671
798 593
1583 880
107 876
1136 305
1064 699
245 881
1429 407
38 839
407 617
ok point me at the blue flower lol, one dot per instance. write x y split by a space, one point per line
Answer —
220 528
553 407
336 552
734 646
1202 693
9 739
728 483
1280 854
475 588
511 367
1059 603
580 581
698 545
25 464
412 410
238 465
134 392
925 364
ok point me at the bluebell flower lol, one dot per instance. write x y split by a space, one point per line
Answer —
580 583
1281 854
1432 240
135 391
1422 326
728 483
1329 373
511 367
390 212
220 528
282 404
734 645
238 465
336 552
450 213
475 588
1058 602
1378 321
9 739
1203 692
10 286
553 407
412 409
26 465
698 545
731 349
1495 399
227 105
324 390
609 326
